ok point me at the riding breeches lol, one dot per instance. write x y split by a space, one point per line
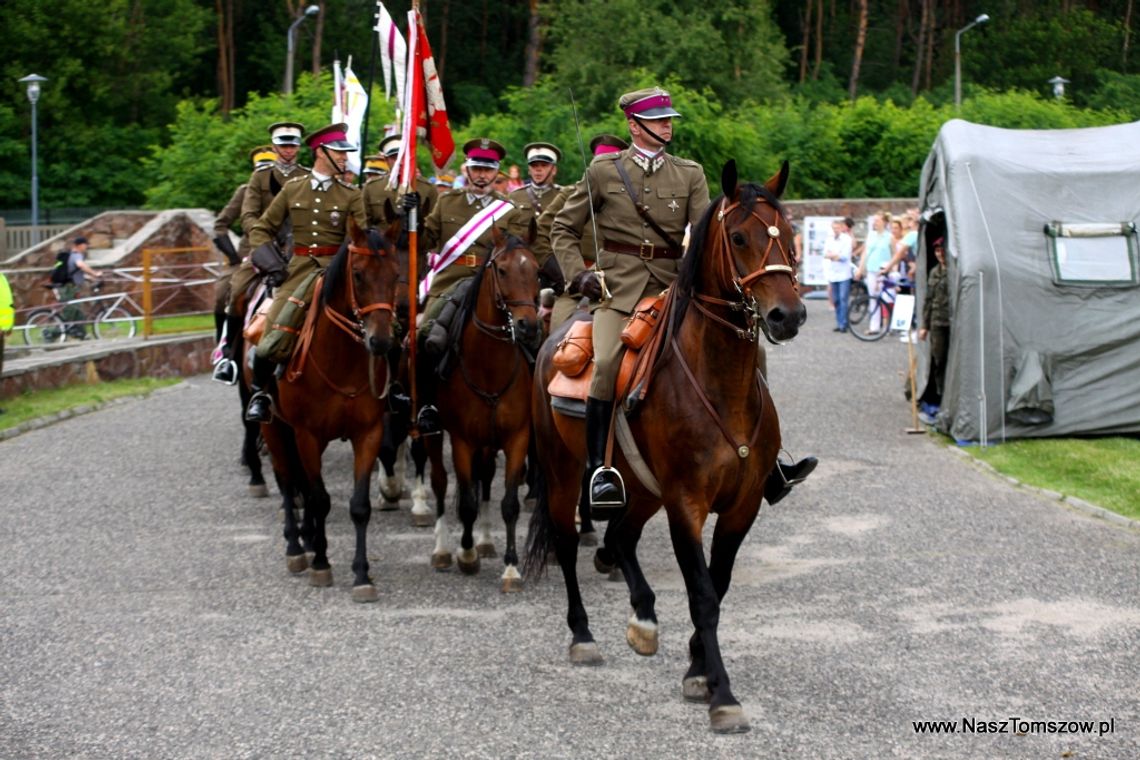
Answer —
608 324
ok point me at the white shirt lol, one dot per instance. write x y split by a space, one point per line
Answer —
839 269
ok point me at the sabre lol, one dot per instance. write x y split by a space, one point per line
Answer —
589 191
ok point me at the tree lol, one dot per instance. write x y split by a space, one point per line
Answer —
860 43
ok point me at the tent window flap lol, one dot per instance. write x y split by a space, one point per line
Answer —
1093 254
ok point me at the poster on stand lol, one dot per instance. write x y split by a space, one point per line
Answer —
815 232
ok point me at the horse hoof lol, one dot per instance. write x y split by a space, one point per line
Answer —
588 539
601 565
695 689
321 578
642 637
486 551
728 719
425 520
388 506
260 491
512 585
529 503
615 576
441 561
585 653
365 593
468 562
297 563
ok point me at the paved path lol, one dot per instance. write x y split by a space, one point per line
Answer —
146 610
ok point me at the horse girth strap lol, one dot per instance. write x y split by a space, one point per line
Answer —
742 451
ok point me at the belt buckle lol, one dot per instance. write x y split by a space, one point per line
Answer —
641 251
469 260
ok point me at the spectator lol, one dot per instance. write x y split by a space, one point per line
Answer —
514 181
7 317
876 254
77 270
935 324
501 184
837 267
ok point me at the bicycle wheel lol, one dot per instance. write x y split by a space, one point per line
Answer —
863 330
113 323
43 328
857 308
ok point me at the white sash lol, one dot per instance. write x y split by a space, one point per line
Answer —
462 240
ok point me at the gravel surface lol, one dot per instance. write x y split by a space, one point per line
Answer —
147 612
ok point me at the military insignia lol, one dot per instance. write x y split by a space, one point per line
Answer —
674 205
334 218
485 144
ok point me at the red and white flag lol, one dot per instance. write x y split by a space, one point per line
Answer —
393 53
424 109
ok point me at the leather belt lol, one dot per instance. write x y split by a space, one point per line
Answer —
644 251
315 250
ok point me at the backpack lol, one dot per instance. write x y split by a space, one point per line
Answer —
61 273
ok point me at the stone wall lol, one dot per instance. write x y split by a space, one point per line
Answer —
181 356
856 208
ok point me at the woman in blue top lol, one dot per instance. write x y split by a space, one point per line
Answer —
876 254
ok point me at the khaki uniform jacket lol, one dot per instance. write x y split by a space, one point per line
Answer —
376 191
936 307
259 194
677 195
319 217
452 212
543 246
225 219
530 209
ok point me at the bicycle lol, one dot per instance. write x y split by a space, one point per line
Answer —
864 308
47 326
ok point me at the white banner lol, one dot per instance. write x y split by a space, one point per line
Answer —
903 312
816 230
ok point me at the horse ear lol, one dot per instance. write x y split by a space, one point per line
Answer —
393 232
532 232
778 181
389 209
354 231
498 239
728 179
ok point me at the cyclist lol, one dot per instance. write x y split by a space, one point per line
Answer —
77 271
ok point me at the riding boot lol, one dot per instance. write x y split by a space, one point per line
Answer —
428 421
226 369
260 404
607 492
784 476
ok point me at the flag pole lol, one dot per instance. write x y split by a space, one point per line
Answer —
368 108
413 238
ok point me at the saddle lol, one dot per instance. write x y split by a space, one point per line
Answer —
643 338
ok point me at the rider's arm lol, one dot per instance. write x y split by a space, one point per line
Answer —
265 228
566 228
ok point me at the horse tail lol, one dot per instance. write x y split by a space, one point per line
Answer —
540 532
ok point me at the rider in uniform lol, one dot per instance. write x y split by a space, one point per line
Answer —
375 193
318 205
458 231
639 255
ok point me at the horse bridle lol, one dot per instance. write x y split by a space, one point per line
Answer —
754 322
354 326
507 332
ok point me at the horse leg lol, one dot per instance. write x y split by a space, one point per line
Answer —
641 632
441 554
531 474
516 450
561 495
422 515
727 538
463 459
587 535
364 452
391 472
249 453
317 505
725 713
485 545
281 457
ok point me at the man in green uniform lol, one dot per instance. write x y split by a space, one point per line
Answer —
542 165
458 233
225 369
375 193
318 205
935 325
586 255
638 256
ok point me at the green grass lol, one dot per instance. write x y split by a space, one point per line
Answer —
1104 471
184 323
29 406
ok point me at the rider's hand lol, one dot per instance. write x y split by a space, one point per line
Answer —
586 283
411 201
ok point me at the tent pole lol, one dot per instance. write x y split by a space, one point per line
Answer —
982 421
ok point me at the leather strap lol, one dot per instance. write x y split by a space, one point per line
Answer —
316 250
646 252
643 211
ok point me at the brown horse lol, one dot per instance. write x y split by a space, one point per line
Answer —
485 404
707 429
335 387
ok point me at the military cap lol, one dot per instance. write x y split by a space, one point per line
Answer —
484 152
333 137
604 143
375 164
540 151
390 145
262 154
650 103
286 133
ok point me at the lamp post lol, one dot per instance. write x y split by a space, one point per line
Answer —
311 10
1058 83
958 58
33 82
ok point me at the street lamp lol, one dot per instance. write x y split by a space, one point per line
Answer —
958 57
312 10
33 82
1058 83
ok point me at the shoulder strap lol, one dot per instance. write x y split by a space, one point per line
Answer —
534 201
643 210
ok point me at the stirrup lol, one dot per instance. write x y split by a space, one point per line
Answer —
788 483
225 372
618 503
429 424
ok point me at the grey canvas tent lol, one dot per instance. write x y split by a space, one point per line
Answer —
1041 243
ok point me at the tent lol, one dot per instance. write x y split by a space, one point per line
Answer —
1041 251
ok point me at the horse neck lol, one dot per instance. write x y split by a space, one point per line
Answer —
489 313
330 341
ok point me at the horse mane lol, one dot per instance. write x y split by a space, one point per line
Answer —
471 297
335 270
693 260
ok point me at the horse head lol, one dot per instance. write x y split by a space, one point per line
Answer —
372 270
513 272
758 267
